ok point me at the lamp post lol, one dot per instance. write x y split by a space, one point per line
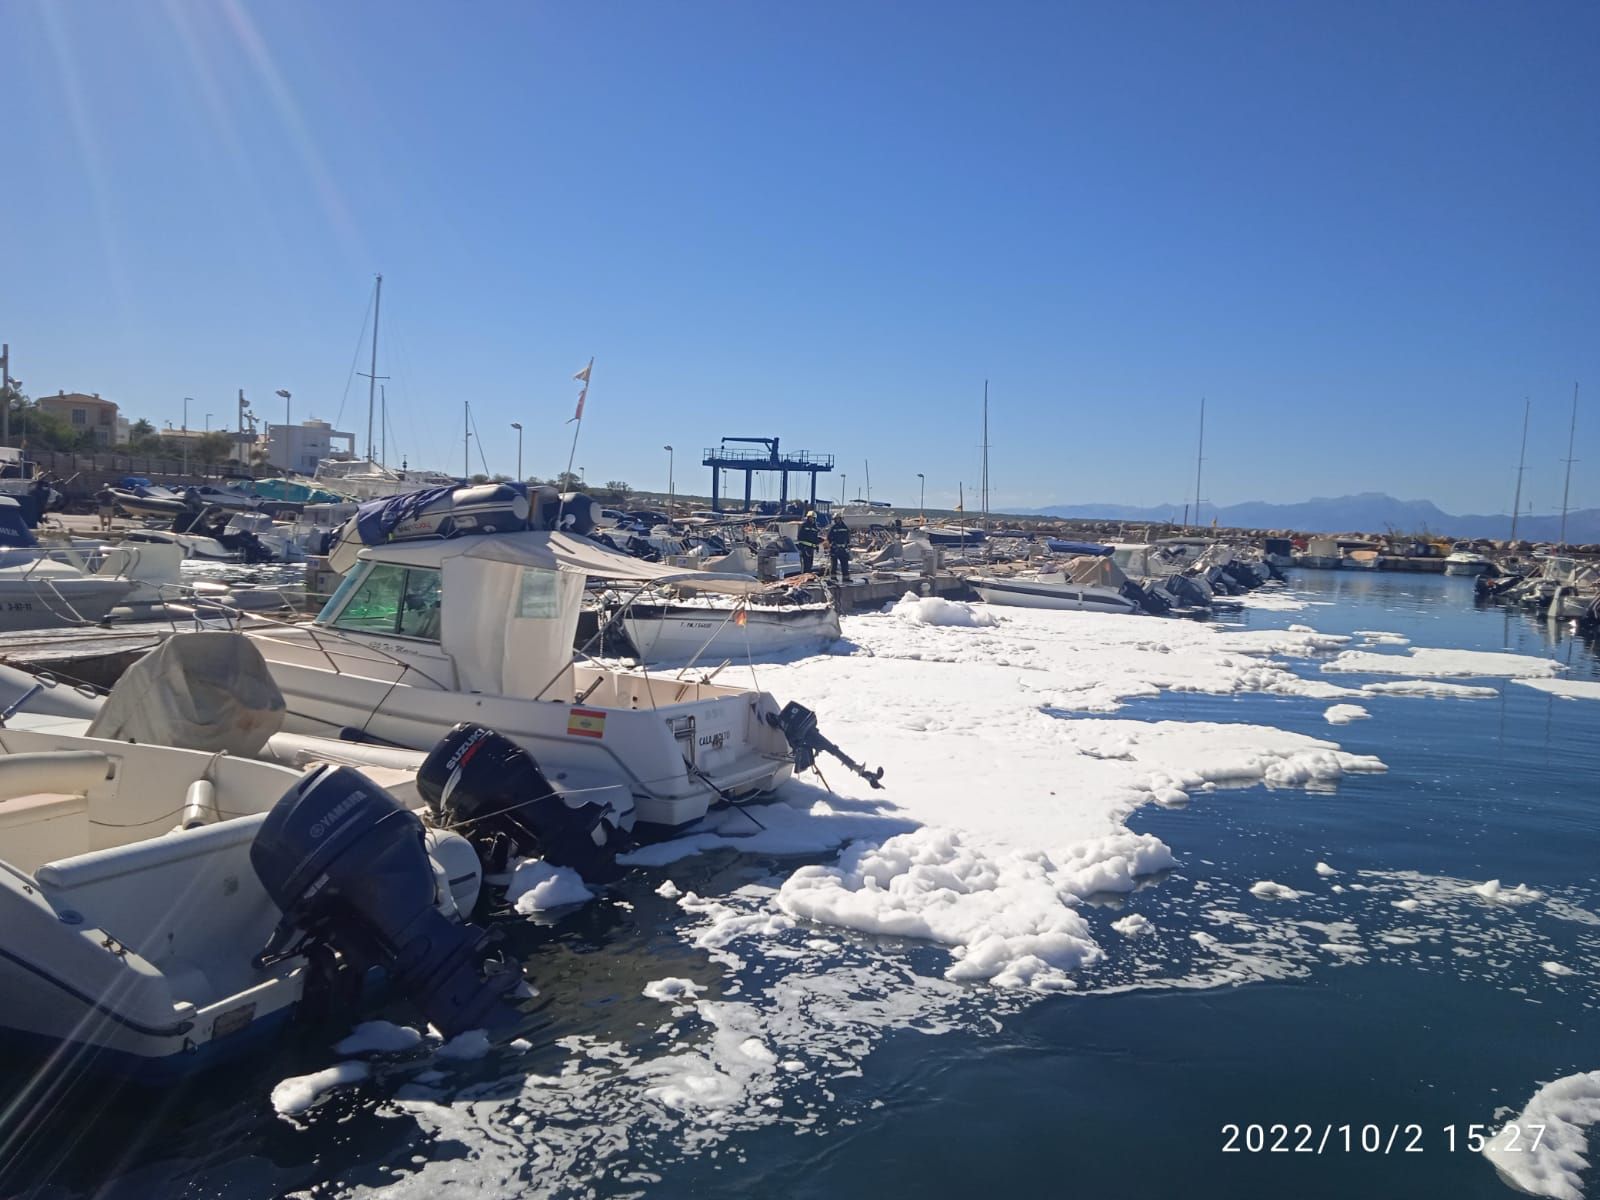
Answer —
284 392
187 400
517 425
844 487
670 496
208 422
922 496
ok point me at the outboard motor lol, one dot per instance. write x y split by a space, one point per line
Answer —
348 867
799 726
1148 601
1189 593
489 789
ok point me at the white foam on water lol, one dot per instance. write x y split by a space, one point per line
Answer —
1430 689
1266 889
936 610
1543 1150
1494 893
672 989
379 1037
1567 689
295 1095
537 886
1430 661
1323 868
1555 968
1132 925
1343 714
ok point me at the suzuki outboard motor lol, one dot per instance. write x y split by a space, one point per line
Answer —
348 867
1148 601
490 790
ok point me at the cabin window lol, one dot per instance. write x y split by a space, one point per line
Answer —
395 600
539 596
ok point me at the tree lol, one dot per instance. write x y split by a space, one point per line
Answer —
617 491
566 482
140 430
212 448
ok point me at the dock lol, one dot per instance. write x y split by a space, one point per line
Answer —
92 654
864 594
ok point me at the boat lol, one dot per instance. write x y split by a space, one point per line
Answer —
42 589
1087 584
426 632
193 545
363 479
164 907
952 535
1321 554
674 632
1463 560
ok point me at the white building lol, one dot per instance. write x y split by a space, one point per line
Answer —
300 447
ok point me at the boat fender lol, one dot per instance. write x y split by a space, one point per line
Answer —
200 805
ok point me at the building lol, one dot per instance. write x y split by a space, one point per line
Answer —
300 447
84 414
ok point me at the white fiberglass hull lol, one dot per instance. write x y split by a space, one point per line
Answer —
682 634
52 602
677 745
1465 567
1071 596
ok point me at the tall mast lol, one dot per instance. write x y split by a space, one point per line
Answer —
1199 457
1522 457
372 375
1566 488
466 440
867 464
985 454
383 426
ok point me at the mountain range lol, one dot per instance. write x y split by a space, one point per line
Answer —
1369 512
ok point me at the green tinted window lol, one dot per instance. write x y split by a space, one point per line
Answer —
394 599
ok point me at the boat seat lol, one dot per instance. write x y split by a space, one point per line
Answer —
37 828
189 902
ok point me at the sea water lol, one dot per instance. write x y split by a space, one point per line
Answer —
810 1060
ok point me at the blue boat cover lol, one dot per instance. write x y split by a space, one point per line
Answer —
376 519
1058 546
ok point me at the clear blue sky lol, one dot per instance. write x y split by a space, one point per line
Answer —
1363 231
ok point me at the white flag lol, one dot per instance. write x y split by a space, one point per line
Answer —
583 375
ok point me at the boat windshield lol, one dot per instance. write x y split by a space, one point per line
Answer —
389 599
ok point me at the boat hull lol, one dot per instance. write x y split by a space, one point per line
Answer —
57 603
677 745
681 633
1068 596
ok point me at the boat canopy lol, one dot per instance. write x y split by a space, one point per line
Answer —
1068 546
545 550
1094 571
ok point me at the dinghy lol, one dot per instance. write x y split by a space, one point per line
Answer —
677 633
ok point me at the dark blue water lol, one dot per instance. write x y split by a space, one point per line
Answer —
907 1085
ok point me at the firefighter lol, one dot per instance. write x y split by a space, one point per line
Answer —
807 540
839 548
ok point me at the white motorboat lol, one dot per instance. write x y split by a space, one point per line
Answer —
1083 584
193 545
364 479
675 632
423 634
1464 561
160 907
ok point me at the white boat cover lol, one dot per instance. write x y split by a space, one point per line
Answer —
198 691
1087 571
548 551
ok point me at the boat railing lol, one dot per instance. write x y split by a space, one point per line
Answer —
309 631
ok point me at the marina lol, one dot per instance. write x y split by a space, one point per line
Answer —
844 601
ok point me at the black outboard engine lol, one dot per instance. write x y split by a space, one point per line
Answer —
348 867
799 726
491 791
1148 600
1189 593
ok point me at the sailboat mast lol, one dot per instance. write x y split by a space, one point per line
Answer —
1566 487
1199 458
868 466
466 440
985 454
372 375
383 425
1522 458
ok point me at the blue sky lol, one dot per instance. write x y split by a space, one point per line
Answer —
1363 231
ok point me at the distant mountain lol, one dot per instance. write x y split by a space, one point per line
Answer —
1369 512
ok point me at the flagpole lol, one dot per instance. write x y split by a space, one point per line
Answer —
572 454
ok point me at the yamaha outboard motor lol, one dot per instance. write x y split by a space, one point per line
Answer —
490 790
349 868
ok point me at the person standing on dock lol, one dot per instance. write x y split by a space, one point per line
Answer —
839 548
806 540
106 504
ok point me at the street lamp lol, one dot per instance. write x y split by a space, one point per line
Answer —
187 400
517 425
922 496
208 422
844 488
284 392
583 477
670 496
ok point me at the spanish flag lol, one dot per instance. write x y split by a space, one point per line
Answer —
586 722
